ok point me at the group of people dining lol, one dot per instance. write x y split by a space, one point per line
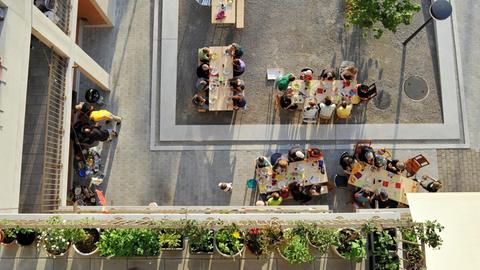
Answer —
279 162
336 92
204 72
380 160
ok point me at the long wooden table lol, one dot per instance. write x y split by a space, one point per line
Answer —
396 185
222 71
306 172
230 10
336 92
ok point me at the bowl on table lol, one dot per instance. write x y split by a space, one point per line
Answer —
214 71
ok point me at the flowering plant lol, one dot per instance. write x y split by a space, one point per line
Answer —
229 240
58 240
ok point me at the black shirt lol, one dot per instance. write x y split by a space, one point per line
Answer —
286 101
345 165
95 135
292 157
363 151
381 204
391 166
202 73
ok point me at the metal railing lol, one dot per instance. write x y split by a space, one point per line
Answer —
52 160
58 11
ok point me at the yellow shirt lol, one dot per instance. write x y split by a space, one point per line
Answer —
344 112
100 115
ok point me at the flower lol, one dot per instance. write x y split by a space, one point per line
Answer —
236 235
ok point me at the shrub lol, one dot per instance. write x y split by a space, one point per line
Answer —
129 242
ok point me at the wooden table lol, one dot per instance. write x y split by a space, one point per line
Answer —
219 89
307 172
336 92
396 185
230 10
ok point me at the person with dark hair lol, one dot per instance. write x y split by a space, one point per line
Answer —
296 153
201 84
327 79
203 71
430 184
362 197
298 193
283 81
347 162
344 110
314 153
286 101
239 67
90 135
381 198
204 55
200 102
262 162
379 162
395 166
97 116
365 154
235 50
306 74
237 84
327 108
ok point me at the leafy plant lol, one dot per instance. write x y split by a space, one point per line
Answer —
428 232
199 236
322 238
170 239
384 250
352 245
271 237
295 248
253 239
58 240
369 14
230 240
414 254
10 233
129 242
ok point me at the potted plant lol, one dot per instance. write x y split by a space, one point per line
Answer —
57 241
294 248
200 238
412 254
128 243
253 240
271 238
25 236
351 245
170 239
8 236
88 246
229 241
384 250
321 238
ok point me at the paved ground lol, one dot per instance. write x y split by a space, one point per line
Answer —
315 38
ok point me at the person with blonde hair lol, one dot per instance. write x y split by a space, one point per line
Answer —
349 73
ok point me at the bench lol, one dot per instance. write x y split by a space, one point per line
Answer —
240 14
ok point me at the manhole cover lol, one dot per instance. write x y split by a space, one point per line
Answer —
416 88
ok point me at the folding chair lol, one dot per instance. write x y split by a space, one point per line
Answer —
413 165
371 93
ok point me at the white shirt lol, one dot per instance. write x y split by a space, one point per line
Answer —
326 111
310 113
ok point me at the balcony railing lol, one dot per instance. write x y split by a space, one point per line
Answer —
58 11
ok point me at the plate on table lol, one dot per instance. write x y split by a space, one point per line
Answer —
214 71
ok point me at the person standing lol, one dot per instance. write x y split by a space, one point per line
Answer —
225 187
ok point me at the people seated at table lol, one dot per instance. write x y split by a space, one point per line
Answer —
201 84
203 71
310 111
430 184
235 50
296 153
284 80
306 74
361 198
238 99
262 162
204 55
395 166
274 199
237 84
200 102
279 162
349 73
327 108
284 193
344 110
286 101
298 192
346 162
365 154
381 198
239 67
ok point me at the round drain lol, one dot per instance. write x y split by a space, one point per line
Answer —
415 87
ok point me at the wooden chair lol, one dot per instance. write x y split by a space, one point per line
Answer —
372 92
413 165
240 14
356 149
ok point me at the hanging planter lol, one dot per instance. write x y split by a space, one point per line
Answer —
88 246
229 241
26 237
351 245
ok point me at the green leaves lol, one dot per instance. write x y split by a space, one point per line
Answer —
230 240
352 245
129 243
295 248
369 14
170 239
322 238
200 237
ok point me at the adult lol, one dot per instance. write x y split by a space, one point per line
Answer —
286 101
90 135
344 110
314 153
97 116
349 73
365 154
262 162
380 198
239 67
364 91
306 74
380 162
200 102
201 84
284 80
203 71
238 99
310 111
327 79
347 162
395 166
279 162
237 84
430 184
274 200
298 192
362 197
204 55
327 108
235 50
296 153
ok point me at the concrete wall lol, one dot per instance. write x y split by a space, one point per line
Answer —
108 8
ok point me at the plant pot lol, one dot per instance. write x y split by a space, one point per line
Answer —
335 248
59 254
88 247
202 252
182 246
227 255
26 239
5 240
372 238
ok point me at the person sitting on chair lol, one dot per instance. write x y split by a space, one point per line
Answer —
200 102
306 74
204 55
365 154
380 162
344 110
430 184
381 198
347 162
327 79
274 200
238 99
235 50
327 108
203 71
262 162
237 84
239 67
296 154
284 80
349 73
201 84
299 193
395 166
310 111
286 101
362 197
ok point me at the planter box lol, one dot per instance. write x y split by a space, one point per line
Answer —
182 246
373 256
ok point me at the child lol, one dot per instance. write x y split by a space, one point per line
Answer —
226 187
275 200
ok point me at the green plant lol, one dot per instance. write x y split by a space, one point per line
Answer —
170 239
414 254
352 245
230 240
429 232
200 237
295 247
10 233
369 14
129 242
322 238
384 250
58 240
271 237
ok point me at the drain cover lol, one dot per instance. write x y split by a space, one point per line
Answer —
415 87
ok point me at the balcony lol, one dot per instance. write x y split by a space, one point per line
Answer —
58 11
